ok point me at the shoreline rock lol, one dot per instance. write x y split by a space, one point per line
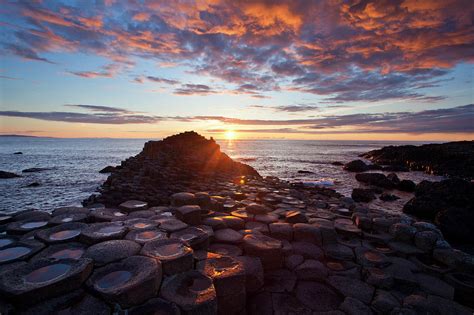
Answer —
454 159
7 175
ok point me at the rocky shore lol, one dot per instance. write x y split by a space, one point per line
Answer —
453 159
183 229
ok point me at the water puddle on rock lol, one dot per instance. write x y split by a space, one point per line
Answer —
13 253
47 273
169 250
108 230
5 242
141 225
148 235
33 225
64 235
114 279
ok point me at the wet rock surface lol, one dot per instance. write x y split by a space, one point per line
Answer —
241 244
129 282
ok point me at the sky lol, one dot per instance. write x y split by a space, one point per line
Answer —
325 70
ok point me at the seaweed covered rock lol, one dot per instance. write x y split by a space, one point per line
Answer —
183 162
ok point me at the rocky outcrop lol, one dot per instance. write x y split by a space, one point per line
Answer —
183 162
108 169
450 203
5 175
454 159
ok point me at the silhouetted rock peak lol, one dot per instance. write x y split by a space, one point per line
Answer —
186 161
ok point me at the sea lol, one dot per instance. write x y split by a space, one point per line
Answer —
73 166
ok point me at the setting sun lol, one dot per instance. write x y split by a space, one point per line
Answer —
230 135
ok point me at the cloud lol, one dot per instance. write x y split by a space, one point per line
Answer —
446 120
141 79
194 89
98 108
348 51
289 108
25 52
99 115
108 71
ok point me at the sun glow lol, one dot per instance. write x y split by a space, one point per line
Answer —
230 135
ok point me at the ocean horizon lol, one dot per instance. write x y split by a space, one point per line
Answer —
73 164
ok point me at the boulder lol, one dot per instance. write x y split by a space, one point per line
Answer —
356 166
375 179
406 185
363 195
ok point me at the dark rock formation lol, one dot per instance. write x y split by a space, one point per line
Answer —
451 159
360 166
450 203
183 162
5 175
108 169
356 166
18 152
363 195
375 179
35 169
